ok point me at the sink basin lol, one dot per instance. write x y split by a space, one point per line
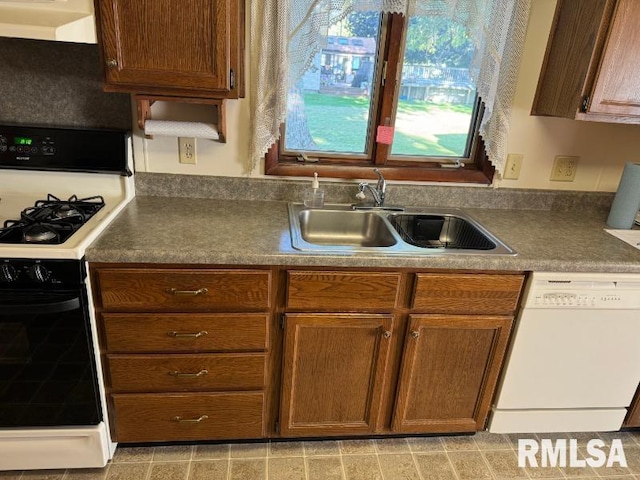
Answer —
440 231
340 229
348 228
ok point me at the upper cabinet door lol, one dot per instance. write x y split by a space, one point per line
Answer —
617 88
592 62
169 47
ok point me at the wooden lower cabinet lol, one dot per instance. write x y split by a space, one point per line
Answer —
334 368
200 353
450 366
633 417
186 351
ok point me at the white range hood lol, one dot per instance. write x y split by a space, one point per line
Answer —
61 20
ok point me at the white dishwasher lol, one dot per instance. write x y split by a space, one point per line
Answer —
574 362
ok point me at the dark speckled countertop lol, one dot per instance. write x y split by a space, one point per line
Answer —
249 232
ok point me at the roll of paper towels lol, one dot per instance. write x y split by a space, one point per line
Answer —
627 200
181 129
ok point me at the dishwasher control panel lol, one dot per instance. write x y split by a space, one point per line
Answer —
585 291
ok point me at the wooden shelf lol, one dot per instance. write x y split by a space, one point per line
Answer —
144 103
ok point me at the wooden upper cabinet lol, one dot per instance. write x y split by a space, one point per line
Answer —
334 368
186 48
616 89
592 62
450 367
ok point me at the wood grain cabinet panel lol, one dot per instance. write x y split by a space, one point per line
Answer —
467 293
592 62
342 291
450 367
633 417
187 372
187 351
185 332
188 416
185 48
171 290
334 367
616 90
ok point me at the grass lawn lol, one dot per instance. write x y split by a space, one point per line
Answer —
339 124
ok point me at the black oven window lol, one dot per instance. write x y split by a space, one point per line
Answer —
47 372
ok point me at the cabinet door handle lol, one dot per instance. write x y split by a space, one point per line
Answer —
189 420
112 63
199 334
175 291
177 374
415 334
386 334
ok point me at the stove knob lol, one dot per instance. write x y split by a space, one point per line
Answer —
7 273
39 273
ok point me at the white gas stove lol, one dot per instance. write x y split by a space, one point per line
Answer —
59 188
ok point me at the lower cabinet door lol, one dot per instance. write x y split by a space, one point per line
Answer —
334 367
449 371
149 417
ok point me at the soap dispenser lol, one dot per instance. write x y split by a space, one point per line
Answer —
314 196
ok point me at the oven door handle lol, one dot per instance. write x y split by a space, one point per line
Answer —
66 305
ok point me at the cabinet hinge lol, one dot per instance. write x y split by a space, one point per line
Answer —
282 320
585 103
232 79
277 426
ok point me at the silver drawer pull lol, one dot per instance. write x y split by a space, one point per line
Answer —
189 375
175 291
189 420
199 334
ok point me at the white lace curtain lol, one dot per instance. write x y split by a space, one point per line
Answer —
286 34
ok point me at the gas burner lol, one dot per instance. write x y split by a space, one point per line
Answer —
65 211
50 221
39 234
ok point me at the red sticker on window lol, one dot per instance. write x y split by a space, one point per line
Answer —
384 135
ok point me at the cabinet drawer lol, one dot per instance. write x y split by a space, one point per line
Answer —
177 373
467 293
335 291
136 289
166 332
174 417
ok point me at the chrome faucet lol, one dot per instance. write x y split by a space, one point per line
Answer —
377 193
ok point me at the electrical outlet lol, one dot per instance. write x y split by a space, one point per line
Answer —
564 169
187 150
513 166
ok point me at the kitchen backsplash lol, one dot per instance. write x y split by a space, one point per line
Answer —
57 84
237 188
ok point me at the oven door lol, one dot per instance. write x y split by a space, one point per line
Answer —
47 368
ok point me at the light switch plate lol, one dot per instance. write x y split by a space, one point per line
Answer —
513 166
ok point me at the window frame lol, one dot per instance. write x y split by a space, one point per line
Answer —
477 167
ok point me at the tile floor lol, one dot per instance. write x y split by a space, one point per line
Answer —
483 456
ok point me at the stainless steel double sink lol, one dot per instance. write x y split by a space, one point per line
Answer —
341 229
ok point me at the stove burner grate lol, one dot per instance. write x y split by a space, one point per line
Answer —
50 221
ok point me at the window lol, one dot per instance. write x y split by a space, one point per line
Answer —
422 87
329 68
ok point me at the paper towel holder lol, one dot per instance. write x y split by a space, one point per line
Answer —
144 102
